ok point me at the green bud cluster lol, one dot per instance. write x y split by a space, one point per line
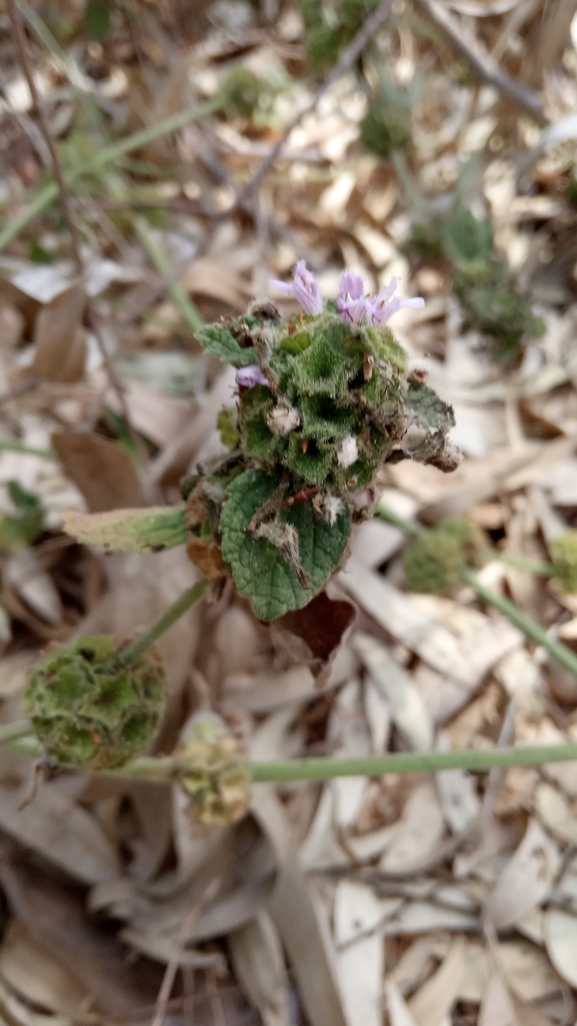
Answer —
330 27
217 777
88 710
482 280
564 554
434 563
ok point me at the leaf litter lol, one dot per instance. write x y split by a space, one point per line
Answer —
396 901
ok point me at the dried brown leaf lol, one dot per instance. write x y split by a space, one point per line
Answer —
104 473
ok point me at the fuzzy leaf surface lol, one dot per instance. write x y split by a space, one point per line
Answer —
129 530
427 409
218 340
259 570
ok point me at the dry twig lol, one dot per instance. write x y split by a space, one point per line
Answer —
348 57
20 43
481 61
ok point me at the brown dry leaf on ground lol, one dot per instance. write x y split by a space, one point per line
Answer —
399 901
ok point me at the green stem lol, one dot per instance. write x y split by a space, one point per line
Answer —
133 652
49 193
411 762
525 623
26 450
526 566
162 264
166 768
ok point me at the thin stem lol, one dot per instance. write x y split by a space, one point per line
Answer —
24 58
26 450
526 566
411 762
166 769
107 155
69 214
171 615
525 623
162 264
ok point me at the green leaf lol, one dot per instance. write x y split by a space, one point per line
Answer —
218 340
427 409
259 570
97 20
464 238
129 530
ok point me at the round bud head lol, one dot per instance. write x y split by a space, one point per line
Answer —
91 712
434 562
218 777
471 538
564 554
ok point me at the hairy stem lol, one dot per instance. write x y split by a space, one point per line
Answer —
173 613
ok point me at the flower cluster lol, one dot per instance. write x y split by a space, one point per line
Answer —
352 304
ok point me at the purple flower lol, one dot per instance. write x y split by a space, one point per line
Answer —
386 303
304 287
351 303
251 376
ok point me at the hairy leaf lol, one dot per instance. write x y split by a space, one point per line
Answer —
427 409
260 572
129 530
218 340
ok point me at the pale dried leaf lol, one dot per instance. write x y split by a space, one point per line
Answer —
407 708
496 1007
35 975
418 833
298 918
435 999
83 850
399 1012
360 957
526 880
35 588
555 812
258 963
561 941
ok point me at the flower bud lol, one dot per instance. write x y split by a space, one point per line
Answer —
91 712
435 562
217 777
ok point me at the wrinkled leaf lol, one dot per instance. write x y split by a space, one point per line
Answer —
217 340
260 572
427 409
128 530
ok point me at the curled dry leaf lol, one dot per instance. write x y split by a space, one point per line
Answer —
321 625
100 469
526 880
